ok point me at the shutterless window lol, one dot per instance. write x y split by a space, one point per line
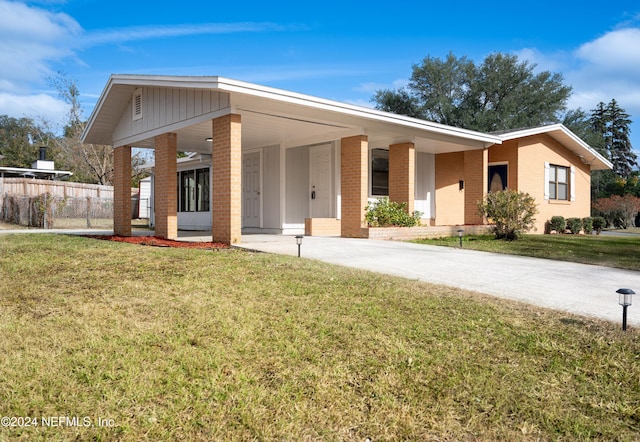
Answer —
194 190
558 182
379 172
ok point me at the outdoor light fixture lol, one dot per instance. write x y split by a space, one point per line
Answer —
624 299
299 242
208 139
460 232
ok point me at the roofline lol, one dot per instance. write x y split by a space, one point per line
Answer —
552 128
235 86
38 171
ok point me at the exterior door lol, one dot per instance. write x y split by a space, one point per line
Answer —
251 190
321 190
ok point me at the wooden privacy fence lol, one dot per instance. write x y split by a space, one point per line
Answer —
56 204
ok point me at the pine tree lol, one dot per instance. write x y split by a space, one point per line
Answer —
612 123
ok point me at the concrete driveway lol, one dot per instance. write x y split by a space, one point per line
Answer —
577 288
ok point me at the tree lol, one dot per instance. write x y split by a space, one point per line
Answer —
20 139
502 93
611 125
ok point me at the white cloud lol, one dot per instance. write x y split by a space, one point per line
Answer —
608 67
138 33
33 106
544 62
31 38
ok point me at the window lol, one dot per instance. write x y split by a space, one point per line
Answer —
558 182
193 190
497 177
379 172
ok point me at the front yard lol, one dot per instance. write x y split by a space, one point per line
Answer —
607 250
176 344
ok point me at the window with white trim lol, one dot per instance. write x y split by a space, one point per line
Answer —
559 182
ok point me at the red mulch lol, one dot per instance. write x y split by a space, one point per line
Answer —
160 242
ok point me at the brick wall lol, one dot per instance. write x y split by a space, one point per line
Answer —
322 227
227 179
402 174
354 172
166 183
122 191
407 233
475 186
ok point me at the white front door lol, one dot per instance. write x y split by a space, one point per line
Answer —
321 190
251 190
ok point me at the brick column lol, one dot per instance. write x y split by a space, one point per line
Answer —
354 173
166 185
476 164
402 174
227 185
122 191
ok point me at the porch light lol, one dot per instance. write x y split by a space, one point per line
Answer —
460 232
299 242
209 139
624 299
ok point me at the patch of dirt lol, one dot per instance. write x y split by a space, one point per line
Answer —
160 242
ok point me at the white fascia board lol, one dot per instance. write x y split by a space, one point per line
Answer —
234 86
231 86
559 127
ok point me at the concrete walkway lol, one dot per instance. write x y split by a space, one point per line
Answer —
576 288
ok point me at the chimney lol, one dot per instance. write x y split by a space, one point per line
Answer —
41 163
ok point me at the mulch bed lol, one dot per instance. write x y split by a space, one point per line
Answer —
160 242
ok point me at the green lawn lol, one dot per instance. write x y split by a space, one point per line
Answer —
179 344
613 251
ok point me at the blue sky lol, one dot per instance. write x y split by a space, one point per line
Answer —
337 50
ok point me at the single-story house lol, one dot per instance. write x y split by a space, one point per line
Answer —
268 160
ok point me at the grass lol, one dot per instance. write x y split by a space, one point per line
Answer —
177 344
612 251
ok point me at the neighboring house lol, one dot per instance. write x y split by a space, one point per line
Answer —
269 160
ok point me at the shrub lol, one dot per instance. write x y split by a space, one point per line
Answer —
587 225
385 213
619 211
574 225
558 224
512 213
599 223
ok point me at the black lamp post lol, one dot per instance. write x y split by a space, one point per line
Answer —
460 232
299 242
624 299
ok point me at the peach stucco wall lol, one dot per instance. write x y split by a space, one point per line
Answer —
533 152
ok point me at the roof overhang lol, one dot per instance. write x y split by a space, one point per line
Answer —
274 116
34 173
568 139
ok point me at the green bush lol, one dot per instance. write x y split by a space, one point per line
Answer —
558 224
511 212
574 225
599 223
385 213
587 225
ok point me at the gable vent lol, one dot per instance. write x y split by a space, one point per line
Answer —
137 104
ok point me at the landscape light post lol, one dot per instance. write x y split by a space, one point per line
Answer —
460 232
299 242
624 299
